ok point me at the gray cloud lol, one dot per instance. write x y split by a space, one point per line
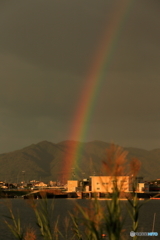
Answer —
59 35
46 50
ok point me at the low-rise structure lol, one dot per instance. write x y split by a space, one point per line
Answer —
141 187
40 184
72 185
101 184
106 183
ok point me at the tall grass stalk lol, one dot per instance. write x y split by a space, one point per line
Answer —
88 223
134 209
15 227
75 227
134 213
113 218
43 215
43 218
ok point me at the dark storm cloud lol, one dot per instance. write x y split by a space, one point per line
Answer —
28 90
58 34
64 34
46 49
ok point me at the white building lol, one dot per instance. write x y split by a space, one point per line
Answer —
40 184
72 185
106 183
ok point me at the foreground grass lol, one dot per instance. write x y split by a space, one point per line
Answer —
94 222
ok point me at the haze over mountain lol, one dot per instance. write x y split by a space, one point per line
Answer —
44 161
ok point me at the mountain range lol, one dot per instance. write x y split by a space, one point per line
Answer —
44 161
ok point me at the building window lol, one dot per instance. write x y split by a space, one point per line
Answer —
98 188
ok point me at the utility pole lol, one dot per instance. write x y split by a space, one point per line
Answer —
23 173
73 173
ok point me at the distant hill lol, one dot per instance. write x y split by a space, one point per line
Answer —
44 161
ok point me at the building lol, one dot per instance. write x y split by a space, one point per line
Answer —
72 185
106 183
141 187
40 184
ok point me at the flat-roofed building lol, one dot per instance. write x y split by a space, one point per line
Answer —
72 185
106 183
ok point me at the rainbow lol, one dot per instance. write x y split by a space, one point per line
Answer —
93 84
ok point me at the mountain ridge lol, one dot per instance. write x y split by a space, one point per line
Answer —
44 161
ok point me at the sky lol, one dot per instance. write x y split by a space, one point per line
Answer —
47 49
